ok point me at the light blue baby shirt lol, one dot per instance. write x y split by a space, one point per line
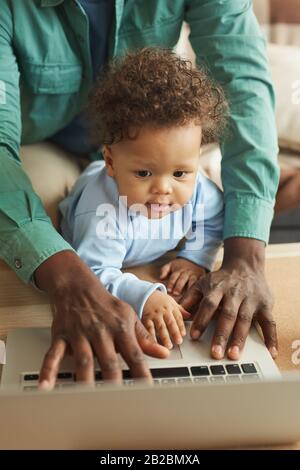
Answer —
108 236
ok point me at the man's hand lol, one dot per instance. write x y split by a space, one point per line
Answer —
240 294
181 273
88 319
163 317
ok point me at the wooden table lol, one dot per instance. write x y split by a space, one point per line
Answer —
24 306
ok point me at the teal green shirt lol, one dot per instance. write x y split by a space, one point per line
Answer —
46 75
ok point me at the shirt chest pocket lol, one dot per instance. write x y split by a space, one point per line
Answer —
52 79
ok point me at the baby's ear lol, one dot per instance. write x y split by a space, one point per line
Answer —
107 155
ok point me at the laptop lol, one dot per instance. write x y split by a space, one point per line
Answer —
195 402
189 362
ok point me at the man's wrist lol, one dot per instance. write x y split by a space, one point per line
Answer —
239 251
56 271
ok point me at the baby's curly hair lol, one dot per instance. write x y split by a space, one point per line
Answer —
154 86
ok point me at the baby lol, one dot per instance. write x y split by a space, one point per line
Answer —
150 113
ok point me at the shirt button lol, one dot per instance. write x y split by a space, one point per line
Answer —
18 263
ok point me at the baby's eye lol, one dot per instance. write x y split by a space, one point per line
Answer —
179 174
143 173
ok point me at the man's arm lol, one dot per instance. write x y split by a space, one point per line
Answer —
226 37
27 237
85 314
227 40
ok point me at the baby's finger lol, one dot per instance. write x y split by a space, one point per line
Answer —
179 320
172 281
162 332
173 327
165 271
180 283
185 314
149 325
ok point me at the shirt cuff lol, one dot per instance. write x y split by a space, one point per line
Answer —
204 260
30 245
140 292
249 217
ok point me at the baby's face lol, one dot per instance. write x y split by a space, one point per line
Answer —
156 170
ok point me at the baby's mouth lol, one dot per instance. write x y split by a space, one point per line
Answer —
156 207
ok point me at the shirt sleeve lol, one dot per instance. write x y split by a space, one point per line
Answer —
204 238
101 245
27 237
227 40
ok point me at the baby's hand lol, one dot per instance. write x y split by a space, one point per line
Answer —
181 273
163 317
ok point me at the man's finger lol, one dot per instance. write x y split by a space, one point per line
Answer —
224 327
192 297
269 330
240 331
84 359
106 354
51 364
207 308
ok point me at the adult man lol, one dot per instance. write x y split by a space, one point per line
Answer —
50 53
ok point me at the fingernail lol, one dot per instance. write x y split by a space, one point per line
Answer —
217 350
273 352
195 334
234 351
44 385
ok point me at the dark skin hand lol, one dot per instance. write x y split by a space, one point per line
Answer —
88 320
239 294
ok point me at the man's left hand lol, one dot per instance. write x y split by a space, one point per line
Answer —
238 291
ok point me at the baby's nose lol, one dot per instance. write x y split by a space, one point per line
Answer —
161 186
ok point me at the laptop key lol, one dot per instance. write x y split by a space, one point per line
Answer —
31 377
170 372
126 374
64 375
217 370
249 369
200 371
233 369
98 375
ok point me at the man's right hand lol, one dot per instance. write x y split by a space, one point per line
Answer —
88 319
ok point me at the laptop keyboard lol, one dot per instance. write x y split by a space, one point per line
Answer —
217 373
